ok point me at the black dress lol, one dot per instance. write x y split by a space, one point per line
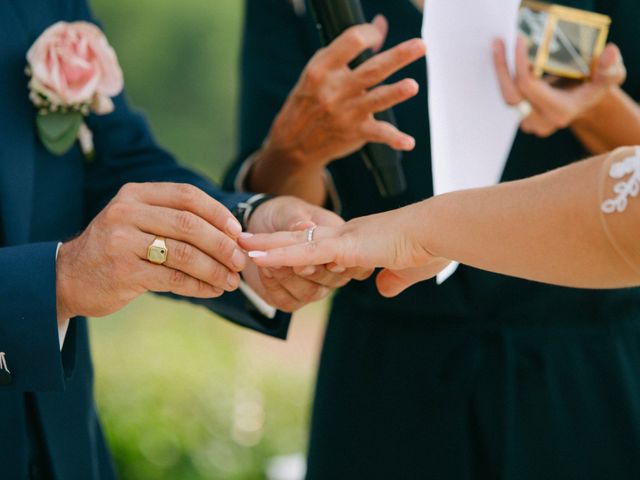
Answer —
482 377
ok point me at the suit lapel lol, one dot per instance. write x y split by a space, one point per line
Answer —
17 149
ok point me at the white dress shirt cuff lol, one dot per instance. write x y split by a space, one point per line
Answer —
261 305
64 326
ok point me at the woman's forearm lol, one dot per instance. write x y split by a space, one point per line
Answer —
547 228
612 123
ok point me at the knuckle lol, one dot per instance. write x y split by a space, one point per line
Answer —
218 275
115 242
129 190
314 74
187 193
215 292
324 102
356 38
116 212
225 247
177 279
186 222
183 253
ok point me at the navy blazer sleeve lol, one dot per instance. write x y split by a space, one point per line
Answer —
127 152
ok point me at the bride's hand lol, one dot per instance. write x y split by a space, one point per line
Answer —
382 240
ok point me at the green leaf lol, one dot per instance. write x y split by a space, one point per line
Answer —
58 131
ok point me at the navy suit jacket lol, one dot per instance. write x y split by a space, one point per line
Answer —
45 199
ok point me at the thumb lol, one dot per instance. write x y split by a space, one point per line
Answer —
610 68
392 283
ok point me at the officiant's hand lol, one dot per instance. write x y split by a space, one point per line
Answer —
289 289
385 240
329 113
555 107
106 267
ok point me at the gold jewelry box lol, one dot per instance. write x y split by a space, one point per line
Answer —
562 41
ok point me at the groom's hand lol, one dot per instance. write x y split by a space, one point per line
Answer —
290 289
106 267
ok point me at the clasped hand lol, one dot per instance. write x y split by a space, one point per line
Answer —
555 107
106 267
385 240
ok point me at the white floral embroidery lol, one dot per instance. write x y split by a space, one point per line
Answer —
626 188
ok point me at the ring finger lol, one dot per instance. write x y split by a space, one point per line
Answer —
188 227
191 261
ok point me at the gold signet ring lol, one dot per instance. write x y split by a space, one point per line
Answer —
158 252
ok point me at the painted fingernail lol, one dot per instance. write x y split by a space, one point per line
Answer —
233 281
246 235
267 273
233 227
337 269
257 254
308 271
238 259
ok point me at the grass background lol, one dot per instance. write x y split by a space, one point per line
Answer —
183 394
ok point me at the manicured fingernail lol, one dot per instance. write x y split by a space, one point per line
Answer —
233 281
246 235
337 269
307 271
257 254
238 259
267 273
233 227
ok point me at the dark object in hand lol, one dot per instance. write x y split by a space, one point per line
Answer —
332 18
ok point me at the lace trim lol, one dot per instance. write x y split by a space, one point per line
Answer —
3 363
625 189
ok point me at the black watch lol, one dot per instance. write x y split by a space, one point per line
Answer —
244 210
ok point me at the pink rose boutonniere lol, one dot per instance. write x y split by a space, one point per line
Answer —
74 71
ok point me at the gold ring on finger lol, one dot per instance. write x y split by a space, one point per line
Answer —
158 252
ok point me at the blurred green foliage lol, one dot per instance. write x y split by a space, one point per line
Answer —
180 61
184 395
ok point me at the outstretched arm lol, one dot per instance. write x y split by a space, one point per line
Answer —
574 226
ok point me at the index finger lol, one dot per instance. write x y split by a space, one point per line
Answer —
319 252
182 196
